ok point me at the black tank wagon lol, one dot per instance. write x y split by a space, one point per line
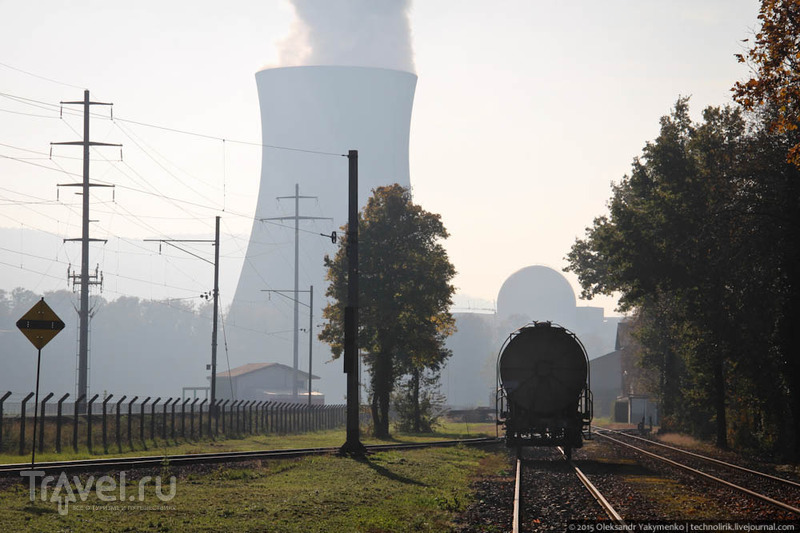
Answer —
543 396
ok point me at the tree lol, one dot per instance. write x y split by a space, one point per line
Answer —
775 58
669 242
405 294
418 403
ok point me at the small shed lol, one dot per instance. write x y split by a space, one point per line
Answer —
265 382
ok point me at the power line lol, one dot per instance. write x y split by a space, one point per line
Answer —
224 139
41 166
30 101
41 77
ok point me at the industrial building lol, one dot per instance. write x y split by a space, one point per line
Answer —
266 382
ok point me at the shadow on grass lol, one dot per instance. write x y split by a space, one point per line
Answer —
38 510
388 474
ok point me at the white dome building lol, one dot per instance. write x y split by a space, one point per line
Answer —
537 293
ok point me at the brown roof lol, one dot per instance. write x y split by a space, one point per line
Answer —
252 367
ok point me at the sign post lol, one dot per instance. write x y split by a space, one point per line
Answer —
39 325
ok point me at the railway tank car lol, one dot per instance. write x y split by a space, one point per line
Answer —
543 395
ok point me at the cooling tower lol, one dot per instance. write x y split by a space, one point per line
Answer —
313 109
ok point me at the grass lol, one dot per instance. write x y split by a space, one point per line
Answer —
414 490
672 498
319 439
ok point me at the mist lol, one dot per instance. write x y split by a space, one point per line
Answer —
361 33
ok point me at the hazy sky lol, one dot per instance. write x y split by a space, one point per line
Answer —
525 112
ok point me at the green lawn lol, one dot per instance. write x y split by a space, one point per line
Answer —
415 490
319 439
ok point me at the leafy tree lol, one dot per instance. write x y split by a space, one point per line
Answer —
775 59
405 294
418 403
668 244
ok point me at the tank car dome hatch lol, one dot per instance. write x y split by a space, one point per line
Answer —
537 293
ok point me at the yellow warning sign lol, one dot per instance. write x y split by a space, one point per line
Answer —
40 324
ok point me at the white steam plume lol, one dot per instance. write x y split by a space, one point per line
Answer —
364 33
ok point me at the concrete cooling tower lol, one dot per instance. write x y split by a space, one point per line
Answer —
327 109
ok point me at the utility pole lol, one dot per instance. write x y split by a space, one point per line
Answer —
213 407
297 218
352 445
310 335
85 281
310 325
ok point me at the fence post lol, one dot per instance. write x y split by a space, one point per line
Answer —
238 409
22 425
2 400
105 424
222 414
89 422
258 414
235 412
119 442
200 426
164 418
130 421
172 418
58 422
76 406
153 419
141 423
191 418
41 422
183 417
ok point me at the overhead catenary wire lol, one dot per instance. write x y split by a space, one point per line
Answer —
119 208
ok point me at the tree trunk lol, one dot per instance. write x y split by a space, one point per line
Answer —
375 414
381 391
719 403
415 385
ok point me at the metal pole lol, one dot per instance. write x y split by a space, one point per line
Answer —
296 287
310 337
58 422
212 405
41 422
36 407
352 445
83 346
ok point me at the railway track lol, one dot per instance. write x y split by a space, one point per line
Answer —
519 491
793 507
125 463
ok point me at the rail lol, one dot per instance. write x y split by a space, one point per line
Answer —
759 496
706 458
595 492
220 457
